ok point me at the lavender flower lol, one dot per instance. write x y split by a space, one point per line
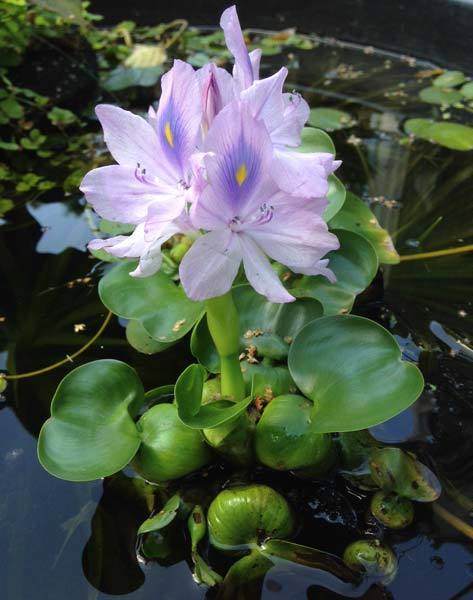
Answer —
152 182
248 217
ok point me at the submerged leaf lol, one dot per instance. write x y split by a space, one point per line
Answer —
442 96
451 135
330 119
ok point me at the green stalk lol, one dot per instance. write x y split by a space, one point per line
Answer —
224 327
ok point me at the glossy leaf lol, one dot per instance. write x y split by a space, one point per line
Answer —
449 79
351 368
315 140
157 302
268 327
284 439
141 340
192 412
169 449
336 197
91 432
330 119
161 519
355 265
268 380
450 135
357 217
442 96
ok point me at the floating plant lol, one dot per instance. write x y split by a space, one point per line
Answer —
227 222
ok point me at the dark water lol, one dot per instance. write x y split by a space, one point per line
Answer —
66 540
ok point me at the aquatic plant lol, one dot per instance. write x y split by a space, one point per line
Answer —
270 254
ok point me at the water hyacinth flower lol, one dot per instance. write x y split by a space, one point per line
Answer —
284 114
248 217
152 183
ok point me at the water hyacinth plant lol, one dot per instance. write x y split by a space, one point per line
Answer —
269 253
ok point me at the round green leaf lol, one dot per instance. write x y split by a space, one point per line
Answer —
436 95
450 135
141 340
336 197
268 380
449 79
351 368
91 432
169 450
467 90
162 307
357 217
330 119
315 140
355 265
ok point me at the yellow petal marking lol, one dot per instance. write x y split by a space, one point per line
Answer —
168 134
241 174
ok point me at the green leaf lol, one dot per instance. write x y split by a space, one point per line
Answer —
268 380
5 205
330 119
444 97
162 307
397 471
357 217
351 368
114 228
169 449
91 432
315 140
122 77
70 10
467 90
165 516
336 197
12 108
449 79
355 265
267 326
449 135
188 393
140 339
61 116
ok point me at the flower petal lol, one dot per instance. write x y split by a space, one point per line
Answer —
210 265
260 274
178 118
243 70
303 174
241 153
123 246
216 92
295 237
116 194
130 139
296 113
255 59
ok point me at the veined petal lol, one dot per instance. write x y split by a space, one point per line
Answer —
211 264
130 139
296 113
117 194
216 92
178 118
161 212
260 274
265 99
123 246
255 59
240 156
319 268
303 174
243 70
151 257
296 237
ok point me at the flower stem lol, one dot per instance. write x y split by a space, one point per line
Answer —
224 327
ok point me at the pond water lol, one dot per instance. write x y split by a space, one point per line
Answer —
77 541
